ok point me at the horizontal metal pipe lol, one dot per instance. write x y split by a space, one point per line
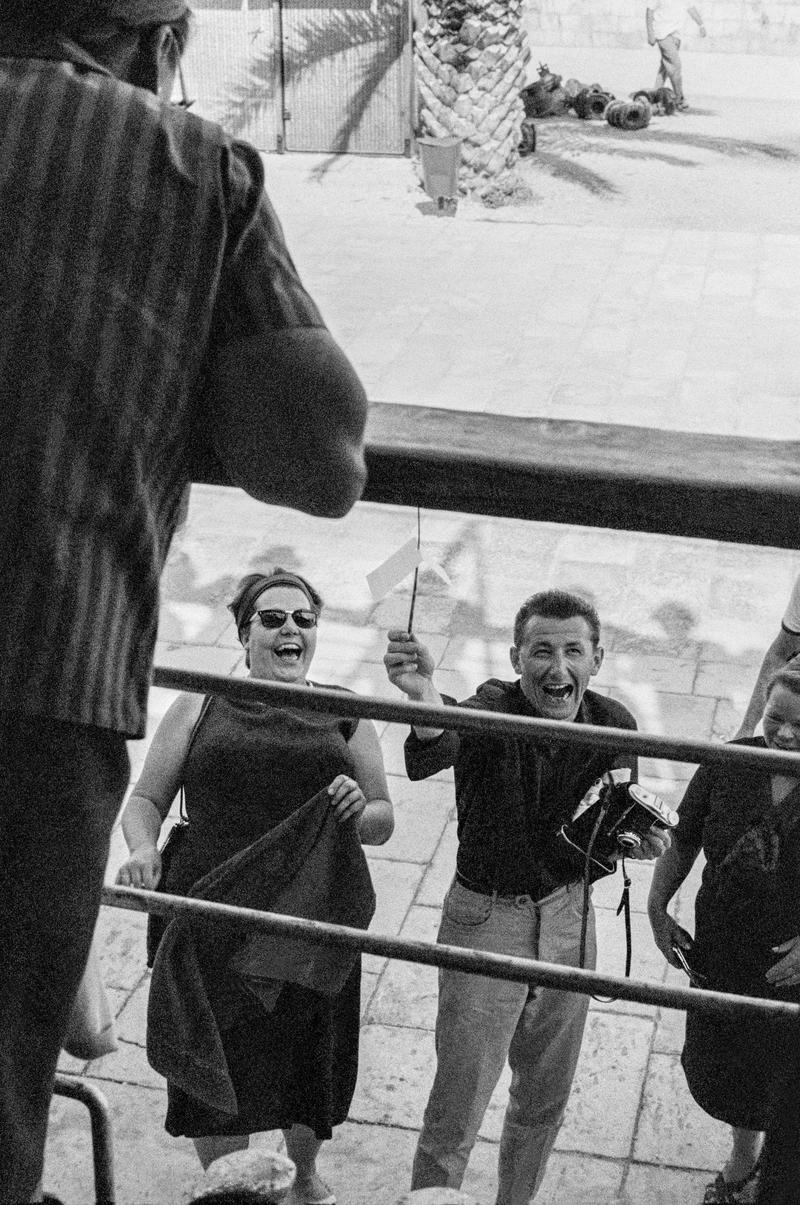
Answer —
556 732
493 966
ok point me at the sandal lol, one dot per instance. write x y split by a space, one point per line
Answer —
733 1192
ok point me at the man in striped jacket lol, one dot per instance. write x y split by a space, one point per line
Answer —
152 316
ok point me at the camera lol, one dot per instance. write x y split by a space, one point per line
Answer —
613 818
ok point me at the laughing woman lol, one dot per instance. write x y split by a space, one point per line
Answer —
246 767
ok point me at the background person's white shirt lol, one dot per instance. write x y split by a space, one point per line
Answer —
668 17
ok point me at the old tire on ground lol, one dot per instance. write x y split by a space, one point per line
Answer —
665 97
636 115
527 144
591 106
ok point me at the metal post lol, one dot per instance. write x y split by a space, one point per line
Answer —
280 133
102 1143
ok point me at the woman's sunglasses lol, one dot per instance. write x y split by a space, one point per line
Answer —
274 618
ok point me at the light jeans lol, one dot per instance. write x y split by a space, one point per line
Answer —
670 68
481 1022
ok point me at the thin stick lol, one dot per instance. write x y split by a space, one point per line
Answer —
416 576
413 600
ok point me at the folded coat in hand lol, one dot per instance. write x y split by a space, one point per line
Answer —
309 866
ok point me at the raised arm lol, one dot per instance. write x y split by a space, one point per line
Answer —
153 794
698 20
785 646
651 37
409 667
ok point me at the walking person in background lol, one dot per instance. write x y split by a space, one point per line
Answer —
152 315
664 20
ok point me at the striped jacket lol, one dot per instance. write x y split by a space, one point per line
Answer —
135 239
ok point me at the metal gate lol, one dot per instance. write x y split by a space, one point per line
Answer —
305 75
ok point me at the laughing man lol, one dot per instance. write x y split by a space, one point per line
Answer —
513 893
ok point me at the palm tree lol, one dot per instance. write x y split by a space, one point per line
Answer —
470 67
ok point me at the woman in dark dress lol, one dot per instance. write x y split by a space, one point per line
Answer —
245 767
747 927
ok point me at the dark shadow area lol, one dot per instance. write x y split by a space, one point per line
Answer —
733 147
601 138
562 141
562 168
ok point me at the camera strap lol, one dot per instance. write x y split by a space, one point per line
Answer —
625 907
624 903
587 881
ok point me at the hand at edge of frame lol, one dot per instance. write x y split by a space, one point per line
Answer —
786 972
142 869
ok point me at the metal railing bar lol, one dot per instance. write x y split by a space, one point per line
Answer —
77 1088
462 719
493 966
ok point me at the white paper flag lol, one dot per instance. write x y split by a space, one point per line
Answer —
392 571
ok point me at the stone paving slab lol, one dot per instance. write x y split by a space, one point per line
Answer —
420 819
407 994
672 1128
395 886
664 1186
150 1167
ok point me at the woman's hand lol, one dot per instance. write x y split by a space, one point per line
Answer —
143 868
668 933
786 973
347 799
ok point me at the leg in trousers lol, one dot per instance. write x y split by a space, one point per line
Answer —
670 68
474 1026
61 786
543 1054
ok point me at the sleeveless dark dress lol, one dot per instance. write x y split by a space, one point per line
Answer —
749 901
250 766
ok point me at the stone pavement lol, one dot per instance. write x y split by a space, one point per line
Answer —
606 304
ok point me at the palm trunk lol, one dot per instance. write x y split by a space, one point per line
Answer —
470 60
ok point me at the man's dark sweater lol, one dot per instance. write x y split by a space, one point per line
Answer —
513 794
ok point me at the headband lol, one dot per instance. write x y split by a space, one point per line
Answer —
146 12
68 14
243 605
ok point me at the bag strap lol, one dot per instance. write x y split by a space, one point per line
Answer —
207 701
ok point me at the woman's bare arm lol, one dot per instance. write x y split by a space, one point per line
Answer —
376 822
153 794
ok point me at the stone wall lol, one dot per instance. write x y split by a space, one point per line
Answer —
733 26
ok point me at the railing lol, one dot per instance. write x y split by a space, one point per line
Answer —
494 966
